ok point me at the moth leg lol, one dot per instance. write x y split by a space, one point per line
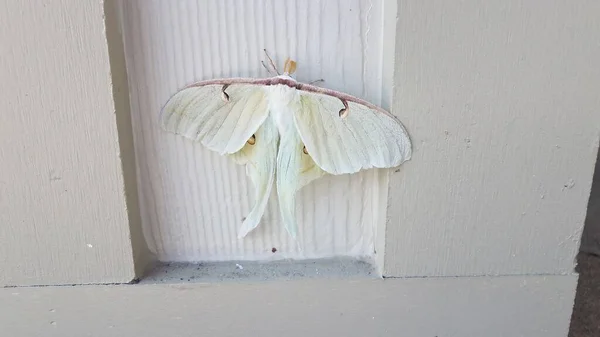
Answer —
345 110
316 81
271 62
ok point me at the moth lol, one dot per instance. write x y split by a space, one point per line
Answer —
286 133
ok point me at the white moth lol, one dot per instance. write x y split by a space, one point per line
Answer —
285 132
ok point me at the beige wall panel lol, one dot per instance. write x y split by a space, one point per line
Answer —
532 306
63 214
501 100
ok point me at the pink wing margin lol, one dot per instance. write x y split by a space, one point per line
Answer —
292 84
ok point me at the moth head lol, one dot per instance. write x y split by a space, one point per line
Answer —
289 67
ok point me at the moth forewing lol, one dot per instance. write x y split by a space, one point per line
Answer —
364 138
199 113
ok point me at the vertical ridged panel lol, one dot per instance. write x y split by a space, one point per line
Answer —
193 200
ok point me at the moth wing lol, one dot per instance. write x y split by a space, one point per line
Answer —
224 123
365 138
295 170
201 113
260 159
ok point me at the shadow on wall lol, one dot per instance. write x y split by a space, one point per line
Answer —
590 240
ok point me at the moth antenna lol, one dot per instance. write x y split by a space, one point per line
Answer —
316 81
344 112
268 70
271 61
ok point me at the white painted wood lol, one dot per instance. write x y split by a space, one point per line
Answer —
63 211
192 200
120 90
502 104
532 306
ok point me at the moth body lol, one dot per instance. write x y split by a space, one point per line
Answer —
283 101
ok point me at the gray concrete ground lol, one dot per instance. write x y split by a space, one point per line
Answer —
585 320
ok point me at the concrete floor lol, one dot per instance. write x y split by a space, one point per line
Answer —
585 320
